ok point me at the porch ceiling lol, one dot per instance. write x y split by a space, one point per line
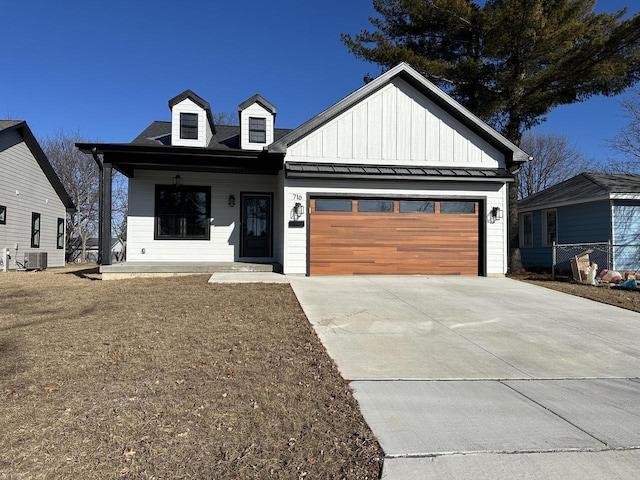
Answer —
126 158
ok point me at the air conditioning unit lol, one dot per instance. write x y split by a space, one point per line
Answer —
36 260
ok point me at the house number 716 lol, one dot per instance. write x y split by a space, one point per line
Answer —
296 197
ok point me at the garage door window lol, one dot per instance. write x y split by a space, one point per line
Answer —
415 206
375 206
457 207
333 205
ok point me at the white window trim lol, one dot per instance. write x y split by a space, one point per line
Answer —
522 231
544 226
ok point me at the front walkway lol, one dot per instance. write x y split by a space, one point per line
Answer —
484 378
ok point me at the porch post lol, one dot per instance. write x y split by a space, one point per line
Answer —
105 216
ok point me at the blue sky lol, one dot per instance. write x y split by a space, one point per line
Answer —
107 69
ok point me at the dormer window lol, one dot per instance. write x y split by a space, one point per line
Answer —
257 130
189 126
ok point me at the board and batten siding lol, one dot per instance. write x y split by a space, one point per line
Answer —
295 190
223 244
25 189
396 125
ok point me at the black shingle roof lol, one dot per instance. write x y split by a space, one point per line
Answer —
227 137
582 188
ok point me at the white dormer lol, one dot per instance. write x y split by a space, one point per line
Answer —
191 120
257 119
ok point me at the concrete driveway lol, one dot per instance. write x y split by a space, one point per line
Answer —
484 378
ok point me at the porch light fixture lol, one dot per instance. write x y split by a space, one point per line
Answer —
496 213
298 210
232 201
177 180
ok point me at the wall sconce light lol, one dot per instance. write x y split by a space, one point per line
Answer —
298 210
177 180
496 213
232 201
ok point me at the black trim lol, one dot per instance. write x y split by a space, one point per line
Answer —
60 234
36 150
182 235
188 126
35 232
271 223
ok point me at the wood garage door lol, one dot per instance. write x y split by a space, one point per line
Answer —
365 236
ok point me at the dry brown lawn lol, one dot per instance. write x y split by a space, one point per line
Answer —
623 298
169 378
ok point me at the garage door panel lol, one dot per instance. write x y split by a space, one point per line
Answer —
393 243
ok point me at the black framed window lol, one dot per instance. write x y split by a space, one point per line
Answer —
375 206
35 230
457 207
3 215
417 206
60 237
257 130
333 205
189 126
182 212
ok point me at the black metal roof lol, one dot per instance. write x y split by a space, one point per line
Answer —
582 188
390 172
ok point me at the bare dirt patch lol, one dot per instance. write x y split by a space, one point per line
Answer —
169 378
627 299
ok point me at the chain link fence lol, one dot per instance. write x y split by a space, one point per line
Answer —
605 255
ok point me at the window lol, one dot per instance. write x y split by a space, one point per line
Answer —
333 205
417 206
549 227
189 126
182 213
526 230
457 207
3 215
257 130
35 230
375 206
60 239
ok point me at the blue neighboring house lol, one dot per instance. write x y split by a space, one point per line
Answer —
588 208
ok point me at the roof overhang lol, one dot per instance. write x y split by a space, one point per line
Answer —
126 158
343 171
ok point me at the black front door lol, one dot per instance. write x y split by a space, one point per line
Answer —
256 225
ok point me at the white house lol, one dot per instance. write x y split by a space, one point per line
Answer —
395 178
33 202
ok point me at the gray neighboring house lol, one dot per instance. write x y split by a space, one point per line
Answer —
588 208
33 202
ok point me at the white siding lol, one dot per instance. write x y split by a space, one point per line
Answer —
223 245
396 125
25 189
257 111
295 239
204 131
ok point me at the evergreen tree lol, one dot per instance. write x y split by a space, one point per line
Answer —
508 61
